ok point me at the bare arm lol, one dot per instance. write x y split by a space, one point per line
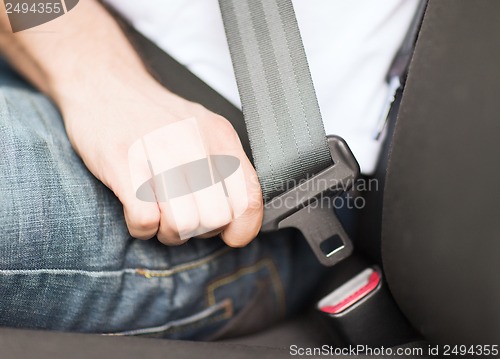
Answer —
108 101
68 47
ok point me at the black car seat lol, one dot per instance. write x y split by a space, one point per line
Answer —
441 232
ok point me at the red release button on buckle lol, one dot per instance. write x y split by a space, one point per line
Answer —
351 292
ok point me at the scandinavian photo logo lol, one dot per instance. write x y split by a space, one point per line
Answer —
26 14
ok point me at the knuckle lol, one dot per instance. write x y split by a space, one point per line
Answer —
144 222
198 108
140 235
241 236
224 128
186 224
237 242
211 222
169 239
168 235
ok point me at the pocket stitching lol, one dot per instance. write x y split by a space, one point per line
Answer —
182 324
254 268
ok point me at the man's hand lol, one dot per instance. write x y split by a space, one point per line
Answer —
109 102
104 133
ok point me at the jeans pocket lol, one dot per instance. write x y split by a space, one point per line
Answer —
257 294
196 326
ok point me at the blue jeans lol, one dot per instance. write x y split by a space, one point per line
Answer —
67 261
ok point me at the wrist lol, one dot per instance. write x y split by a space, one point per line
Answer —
91 89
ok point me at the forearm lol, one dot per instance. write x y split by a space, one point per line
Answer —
83 51
109 102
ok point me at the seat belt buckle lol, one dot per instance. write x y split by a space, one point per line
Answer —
361 311
309 206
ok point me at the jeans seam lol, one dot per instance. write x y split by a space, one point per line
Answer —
152 273
147 273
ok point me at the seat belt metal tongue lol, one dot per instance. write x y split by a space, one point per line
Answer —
283 121
309 206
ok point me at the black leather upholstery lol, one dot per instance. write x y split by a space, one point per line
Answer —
441 227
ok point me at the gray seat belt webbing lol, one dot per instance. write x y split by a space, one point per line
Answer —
281 111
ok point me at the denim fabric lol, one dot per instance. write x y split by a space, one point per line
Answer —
67 261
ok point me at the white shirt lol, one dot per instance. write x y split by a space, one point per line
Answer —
349 44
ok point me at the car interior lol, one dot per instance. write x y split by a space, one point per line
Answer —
426 246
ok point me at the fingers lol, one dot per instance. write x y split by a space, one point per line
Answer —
179 220
169 150
245 197
185 188
142 217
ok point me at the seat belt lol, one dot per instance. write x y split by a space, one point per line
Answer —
299 168
300 198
